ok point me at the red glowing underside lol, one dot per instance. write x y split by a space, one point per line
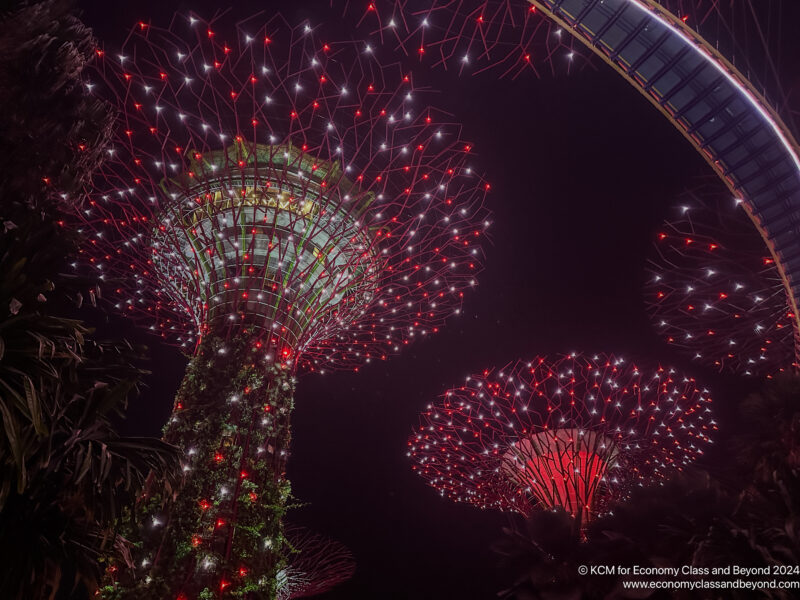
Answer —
562 468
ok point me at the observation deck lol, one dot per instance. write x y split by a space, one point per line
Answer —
715 107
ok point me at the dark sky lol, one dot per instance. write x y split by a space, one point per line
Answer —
583 170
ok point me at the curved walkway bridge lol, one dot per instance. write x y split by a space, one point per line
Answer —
710 102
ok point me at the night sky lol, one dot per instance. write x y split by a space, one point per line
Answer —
583 171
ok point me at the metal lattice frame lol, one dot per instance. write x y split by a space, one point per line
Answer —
506 37
574 432
713 289
316 565
264 178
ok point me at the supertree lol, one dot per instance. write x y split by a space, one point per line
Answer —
315 565
574 432
713 289
708 66
273 202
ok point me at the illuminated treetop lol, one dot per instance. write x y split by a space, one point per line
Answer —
508 37
573 432
269 181
714 291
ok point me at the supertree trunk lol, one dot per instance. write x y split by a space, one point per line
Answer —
333 250
221 534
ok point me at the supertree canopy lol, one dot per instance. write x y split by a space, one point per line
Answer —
714 291
574 432
705 65
273 202
315 565
507 37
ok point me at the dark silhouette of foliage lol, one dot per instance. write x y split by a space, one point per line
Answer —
53 134
66 476
74 474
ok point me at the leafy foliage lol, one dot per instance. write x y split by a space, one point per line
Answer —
66 476
220 534
74 473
